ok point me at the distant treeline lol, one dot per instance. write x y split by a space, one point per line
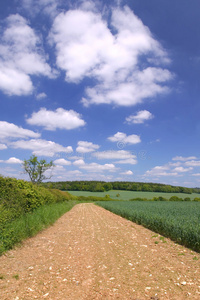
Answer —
102 186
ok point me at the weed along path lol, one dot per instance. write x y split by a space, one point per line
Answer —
90 253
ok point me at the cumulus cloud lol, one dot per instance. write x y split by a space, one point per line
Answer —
140 117
21 56
62 162
182 170
192 163
86 147
58 119
181 158
126 139
79 162
41 147
89 46
178 167
111 154
41 96
94 167
160 171
3 147
12 131
129 161
127 173
13 160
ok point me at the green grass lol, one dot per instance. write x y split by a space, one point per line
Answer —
127 195
179 221
30 224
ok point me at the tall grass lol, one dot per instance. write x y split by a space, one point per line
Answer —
179 221
29 224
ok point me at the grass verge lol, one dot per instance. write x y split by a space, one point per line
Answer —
30 224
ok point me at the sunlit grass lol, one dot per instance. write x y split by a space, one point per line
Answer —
30 224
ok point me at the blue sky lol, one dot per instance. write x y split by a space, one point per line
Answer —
108 90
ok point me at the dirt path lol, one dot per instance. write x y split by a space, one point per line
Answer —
91 253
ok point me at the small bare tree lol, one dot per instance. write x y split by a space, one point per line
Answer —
36 169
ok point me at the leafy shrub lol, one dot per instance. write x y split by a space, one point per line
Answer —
139 199
196 199
93 198
175 198
18 197
160 198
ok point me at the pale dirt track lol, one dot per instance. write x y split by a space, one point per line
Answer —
91 253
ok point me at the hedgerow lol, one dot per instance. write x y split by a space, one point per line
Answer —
19 198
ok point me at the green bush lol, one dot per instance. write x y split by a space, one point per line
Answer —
139 199
93 198
18 197
23 205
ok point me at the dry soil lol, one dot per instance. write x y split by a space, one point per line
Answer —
90 253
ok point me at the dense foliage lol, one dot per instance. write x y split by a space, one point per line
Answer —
20 198
101 186
179 221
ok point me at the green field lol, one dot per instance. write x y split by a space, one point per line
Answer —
179 221
127 195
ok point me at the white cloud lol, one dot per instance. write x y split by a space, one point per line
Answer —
62 162
74 172
126 139
181 158
86 47
127 173
41 147
21 56
129 161
130 91
41 96
182 170
12 131
197 174
140 117
178 168
79 162
86 147
13 160
111 154
160 171
77 157
192 163
3 147
94 167
14 82
59 119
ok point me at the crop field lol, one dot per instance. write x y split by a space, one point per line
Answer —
180 221
127 195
